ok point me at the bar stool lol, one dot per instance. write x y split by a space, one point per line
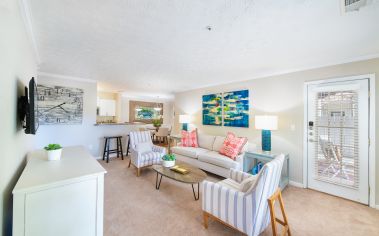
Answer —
107 149
128 146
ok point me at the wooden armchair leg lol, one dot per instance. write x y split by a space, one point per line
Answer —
206 218
271 202
138 172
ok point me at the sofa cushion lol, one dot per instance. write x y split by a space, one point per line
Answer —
188 151
217 159
217 145
205 141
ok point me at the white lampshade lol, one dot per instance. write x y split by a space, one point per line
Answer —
184 119
266 122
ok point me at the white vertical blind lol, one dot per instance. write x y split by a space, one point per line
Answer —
336 129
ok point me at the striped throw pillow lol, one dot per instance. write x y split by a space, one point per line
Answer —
189 139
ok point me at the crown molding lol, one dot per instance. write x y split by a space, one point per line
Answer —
26 15
284 72
40 73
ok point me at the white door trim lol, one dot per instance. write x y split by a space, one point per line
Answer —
372 169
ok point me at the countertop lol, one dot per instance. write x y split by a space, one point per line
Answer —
124 123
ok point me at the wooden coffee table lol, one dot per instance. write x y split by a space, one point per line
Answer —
195 176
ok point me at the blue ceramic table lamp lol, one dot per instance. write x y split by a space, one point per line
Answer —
184 120
266 124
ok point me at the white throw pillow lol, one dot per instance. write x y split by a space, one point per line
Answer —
205 141
144 147
247 183
218 143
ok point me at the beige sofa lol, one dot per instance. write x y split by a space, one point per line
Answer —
207 156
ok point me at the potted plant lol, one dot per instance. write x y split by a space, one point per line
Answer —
168 160
157 123
54 152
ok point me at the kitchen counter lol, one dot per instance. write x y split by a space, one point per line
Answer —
124 123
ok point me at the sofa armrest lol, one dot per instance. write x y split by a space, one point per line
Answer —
239 159
238 175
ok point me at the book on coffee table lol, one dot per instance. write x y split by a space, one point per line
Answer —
179 169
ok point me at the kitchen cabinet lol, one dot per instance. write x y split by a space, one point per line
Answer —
107 107
59 198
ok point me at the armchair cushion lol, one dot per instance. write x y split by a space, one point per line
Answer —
238 176
229 183
150 158
242 186
247 183
143 147
159 149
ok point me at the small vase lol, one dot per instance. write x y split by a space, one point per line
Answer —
54 155
168 163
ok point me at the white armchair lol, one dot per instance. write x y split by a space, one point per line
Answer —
143 152
247 212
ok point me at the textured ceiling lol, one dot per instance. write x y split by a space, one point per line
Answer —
165 46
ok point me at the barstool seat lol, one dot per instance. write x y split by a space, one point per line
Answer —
107 149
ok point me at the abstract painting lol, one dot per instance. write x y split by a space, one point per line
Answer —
236 108
212 109
59 105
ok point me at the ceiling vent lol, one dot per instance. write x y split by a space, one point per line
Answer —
352 5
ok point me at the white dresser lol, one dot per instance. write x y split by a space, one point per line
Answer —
59 198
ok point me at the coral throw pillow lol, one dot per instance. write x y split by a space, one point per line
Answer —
189 139
232 145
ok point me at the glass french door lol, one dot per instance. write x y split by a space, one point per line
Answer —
338 148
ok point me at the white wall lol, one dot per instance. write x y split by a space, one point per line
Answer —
168 112
17 66
283 96
86 134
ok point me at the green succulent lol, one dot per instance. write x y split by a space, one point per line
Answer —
52 147
169 157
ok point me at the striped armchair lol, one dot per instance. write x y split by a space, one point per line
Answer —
247 212
150 155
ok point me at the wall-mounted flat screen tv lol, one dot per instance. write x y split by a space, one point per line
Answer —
28 108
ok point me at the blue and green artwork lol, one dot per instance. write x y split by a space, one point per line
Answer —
236 108
212 109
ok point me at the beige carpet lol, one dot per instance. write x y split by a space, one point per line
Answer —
134 207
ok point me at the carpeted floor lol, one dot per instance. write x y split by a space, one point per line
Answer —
134 207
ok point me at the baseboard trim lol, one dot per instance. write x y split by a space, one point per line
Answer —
377 207
296 184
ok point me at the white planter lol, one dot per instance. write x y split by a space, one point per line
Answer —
168 163
54 155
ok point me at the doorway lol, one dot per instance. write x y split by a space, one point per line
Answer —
337 140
